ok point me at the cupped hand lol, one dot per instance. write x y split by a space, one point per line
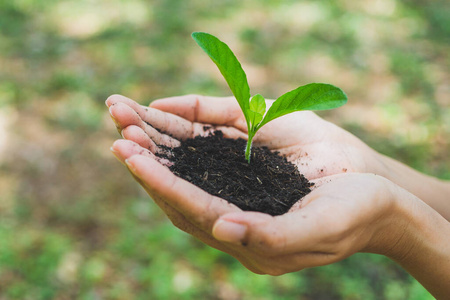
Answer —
345 214
317 147
157 130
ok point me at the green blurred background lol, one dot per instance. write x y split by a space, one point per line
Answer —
73 223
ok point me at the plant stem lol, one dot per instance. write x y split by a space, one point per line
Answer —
248 148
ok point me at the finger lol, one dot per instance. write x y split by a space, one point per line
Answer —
114 99
165 122
124 149
183 120
329 215
301 231
146 114
212 110
138 135
125 116
181 222
177 126
195 204
203 233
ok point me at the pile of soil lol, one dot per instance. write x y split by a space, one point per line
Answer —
269 184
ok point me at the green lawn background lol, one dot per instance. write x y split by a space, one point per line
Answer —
73 223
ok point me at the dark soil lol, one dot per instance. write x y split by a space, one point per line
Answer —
269 184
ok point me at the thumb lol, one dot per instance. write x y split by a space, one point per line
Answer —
202 109
285 234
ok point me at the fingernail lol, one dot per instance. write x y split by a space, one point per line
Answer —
229 231
110 111
130 166
116 155
111 114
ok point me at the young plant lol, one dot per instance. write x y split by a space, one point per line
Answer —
313 96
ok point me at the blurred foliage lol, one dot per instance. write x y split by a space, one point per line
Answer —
74 225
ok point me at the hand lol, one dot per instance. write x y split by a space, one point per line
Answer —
346 214
190 116
317 147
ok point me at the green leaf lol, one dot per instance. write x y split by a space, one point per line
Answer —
228 65
257 110
313 96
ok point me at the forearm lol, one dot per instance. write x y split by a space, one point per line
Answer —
423 248
433 191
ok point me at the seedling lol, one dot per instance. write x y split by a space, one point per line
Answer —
313 96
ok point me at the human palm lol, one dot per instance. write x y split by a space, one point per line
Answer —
344 214
317 147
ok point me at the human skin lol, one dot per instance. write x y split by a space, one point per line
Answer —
319 148
347 212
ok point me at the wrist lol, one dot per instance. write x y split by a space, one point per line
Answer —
402 224
430 190
392 236
423 247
